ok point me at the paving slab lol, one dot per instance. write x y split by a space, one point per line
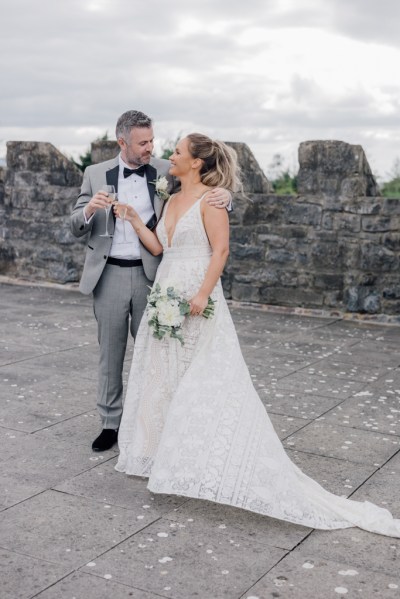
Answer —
42 403
336 475
273 322
39 464
294 403
22 577
302 576
323 386
345 443
309 348
81 585
368 356
383 489
105 485
71 530
394 462
344 370
356 547
285 426
78 362
278 359
368 410
177 564
196 515
77 430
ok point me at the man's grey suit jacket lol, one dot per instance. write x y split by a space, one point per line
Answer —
98 248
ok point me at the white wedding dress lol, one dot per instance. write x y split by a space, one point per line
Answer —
194 424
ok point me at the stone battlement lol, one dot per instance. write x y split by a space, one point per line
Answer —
336 245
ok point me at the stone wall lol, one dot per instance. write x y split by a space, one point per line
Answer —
40 187
329 247
334 246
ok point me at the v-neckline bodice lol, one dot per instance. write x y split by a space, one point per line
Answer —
170 239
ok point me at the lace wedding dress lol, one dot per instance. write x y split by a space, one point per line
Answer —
194 424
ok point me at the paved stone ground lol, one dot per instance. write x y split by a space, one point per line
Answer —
72 527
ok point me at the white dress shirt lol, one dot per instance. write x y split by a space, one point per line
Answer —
134 191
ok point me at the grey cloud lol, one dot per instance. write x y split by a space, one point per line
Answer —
368 20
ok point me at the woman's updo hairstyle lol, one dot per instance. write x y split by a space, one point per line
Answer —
220 167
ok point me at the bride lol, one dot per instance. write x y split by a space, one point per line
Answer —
192 421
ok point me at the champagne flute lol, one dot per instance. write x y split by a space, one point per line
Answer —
110 191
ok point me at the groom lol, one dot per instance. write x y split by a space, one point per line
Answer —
118 269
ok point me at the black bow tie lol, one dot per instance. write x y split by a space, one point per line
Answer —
135 171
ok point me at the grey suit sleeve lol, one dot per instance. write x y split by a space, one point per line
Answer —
79 225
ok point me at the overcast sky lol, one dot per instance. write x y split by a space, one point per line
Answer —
271 73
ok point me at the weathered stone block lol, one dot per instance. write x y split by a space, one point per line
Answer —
392 292
245 293
293 297
280 256
329 281
303 214
363 205
391 241
103 150
258 277
346 223
377 258
362 299
334 168
41 157
253 177
327 255
391 206
242 235
381 223
249 252
274 241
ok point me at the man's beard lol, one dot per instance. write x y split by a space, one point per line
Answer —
140 160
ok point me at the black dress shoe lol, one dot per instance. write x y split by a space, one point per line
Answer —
107 438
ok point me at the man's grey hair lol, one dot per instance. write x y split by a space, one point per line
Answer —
129 120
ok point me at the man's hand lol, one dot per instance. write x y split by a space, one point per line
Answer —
99 200
219 197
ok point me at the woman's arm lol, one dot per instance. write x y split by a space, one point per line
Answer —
147 237
216 223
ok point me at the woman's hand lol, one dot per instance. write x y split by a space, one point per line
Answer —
124 211
198 303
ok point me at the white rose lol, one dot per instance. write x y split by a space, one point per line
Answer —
162 184
169 315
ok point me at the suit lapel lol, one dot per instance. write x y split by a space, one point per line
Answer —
151 176
112 176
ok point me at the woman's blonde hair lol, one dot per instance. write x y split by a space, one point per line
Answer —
220 167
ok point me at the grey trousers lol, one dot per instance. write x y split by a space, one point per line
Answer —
119 299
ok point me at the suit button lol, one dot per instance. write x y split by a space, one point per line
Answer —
81 228
105 257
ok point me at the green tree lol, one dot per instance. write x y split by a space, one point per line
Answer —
85 159
168 147
391 189
282 180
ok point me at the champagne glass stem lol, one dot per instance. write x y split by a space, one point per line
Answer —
123 215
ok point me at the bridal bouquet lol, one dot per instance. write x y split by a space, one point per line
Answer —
166 311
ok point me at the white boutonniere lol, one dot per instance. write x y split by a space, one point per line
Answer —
161 185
